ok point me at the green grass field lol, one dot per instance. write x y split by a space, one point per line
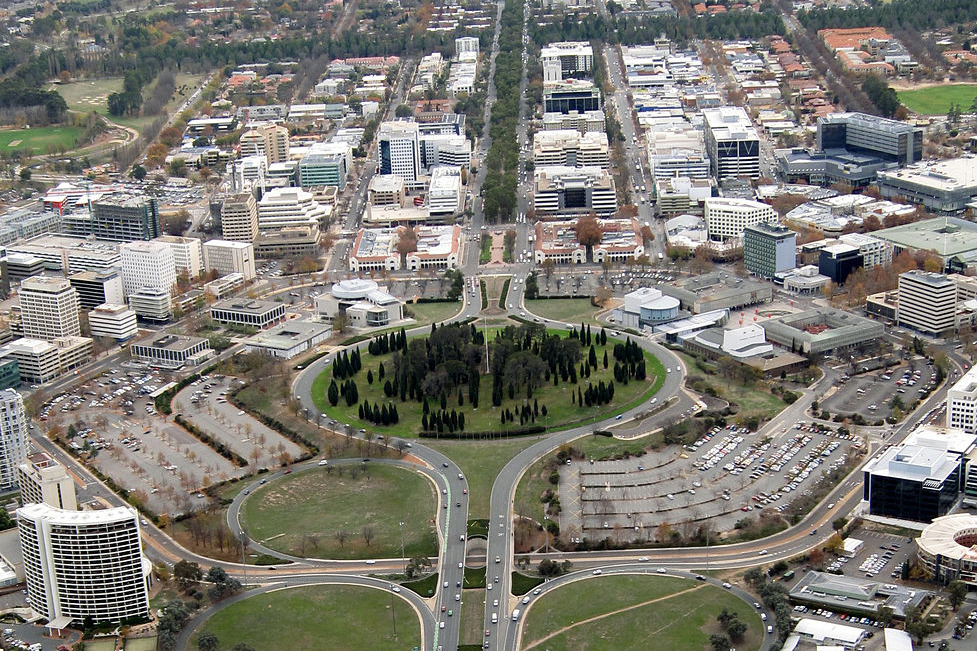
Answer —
560 411
481 462
39 139
682 615
568 310
301 514
427 313
90 94
754 400
936 100
340 618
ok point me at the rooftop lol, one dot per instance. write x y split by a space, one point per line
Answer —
287 335
252 306
945 175
170 342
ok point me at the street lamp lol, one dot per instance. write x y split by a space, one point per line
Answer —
403 557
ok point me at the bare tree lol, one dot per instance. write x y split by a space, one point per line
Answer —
341 537
368 535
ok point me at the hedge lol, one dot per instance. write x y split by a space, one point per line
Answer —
519 431
217 446
278 426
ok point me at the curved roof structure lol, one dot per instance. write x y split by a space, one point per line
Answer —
951 536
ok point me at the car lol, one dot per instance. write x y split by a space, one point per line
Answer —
457 596
395 588
323 462
727 586
464 491
699 577
440 624
662 570
763 552
240 412
444 465
598 572
461 477
814 532
446 584
618 417
370 562
643 559
756 604
461 565
444 608
450 613
272 567
498 559
487 632
288 472
537 591
525 600
457 503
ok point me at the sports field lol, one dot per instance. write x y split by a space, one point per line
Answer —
39 139
633 609
329 513
936 100
339 618
90 95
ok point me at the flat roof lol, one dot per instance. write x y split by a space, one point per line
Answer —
946 175
249 305
170 342
287 335
947 236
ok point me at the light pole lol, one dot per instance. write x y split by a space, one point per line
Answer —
403 557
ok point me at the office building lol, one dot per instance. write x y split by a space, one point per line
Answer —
961 403
284 208
583 121
22 265
821 331
14 438
445 194
769 249
648 306
170 351
945 187
717 291
387 190
375 249
230 257
874 251
293 242
870 134
39 361
569 57
727 218
732 143
43 480
362 301
918 479
9 371
946 549
927 302
83 565
66 254
151 304
326 164
400 151
48 308
288 339
566 191
445 149
859 596
249 172
98 287
188 254
112 320
247 312
268 140
557 241
224 286
147 265
239 218
570 148
571 96
125 218
465 45
838 261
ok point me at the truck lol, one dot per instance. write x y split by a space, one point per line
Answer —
515 615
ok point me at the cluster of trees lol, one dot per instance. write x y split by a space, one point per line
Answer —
346 365
629 362
734 629
879 93
594 396
526 413
379 414
128 101
347 390
442 421
457 279
774 597
15 93
162 92
897 14
385 343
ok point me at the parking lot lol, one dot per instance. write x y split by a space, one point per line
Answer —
723 477
204 404
880 557
870 394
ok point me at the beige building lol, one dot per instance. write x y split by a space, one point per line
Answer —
49 308
239 218
45 481
572 148
268 140
230 257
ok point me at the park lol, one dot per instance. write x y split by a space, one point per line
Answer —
937 100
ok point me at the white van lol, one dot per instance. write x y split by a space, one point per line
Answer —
495 618
515 615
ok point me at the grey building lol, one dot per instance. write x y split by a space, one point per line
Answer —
821 331
870 134
769 249
118 217
717 291
945 186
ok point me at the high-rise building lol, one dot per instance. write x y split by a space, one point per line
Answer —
445 194
445 149
873 250
961 403
83 564
125 218
97 287
572 148
732 143
728 217
239 218
39 361
571 96
327 163
43 480
115 321
187 254
49 308
570 57
283 208
769 249
838 261
152 304
147 265
566 191
870 134
927 302
400 151
230 257
14 439
268 140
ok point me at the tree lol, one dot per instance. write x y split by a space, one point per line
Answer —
957 593
720 642
406 243
884 615
403 111
187 574
138 172
736 629
241 646
589 234
25 174
207 641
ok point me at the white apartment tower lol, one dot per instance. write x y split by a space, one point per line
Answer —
728 217
400 152
230 257
927 302
147 265
43 480
83 564
282 208
239 218
49 308
14 441
187 254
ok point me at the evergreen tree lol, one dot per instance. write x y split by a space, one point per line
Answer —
424 426
444 402
369 377
380 371
461 422
603 339
360 412
592 357
542 410
605 359
332 394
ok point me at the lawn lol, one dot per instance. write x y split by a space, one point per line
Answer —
427 313
753 400
936 100
40 139
472 616
303 514
684 618
561 412
568 310
481 462
341 618
89 95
